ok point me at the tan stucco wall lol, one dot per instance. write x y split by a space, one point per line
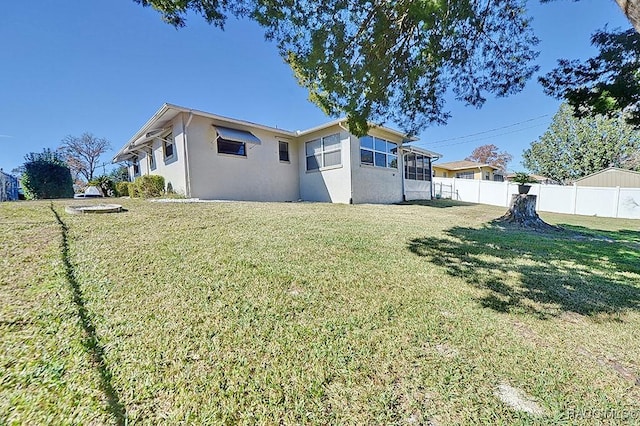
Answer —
171 169
260 176
478 174
327 185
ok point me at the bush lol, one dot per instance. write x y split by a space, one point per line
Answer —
131 190
122 188
106 184
46 176
149 186
523 178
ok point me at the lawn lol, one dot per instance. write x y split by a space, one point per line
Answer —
301 313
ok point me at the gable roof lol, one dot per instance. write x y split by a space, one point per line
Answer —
609 170
461 165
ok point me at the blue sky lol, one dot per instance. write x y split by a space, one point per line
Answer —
105 67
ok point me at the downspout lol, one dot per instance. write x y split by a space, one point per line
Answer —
401 151
187 174
350 165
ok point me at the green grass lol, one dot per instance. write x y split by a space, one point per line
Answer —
299 313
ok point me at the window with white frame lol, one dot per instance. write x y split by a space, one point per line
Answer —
465 175
168 147
152 160
323 152
378 152
283 148
135 163
417 167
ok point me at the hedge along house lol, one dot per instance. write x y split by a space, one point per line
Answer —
207 156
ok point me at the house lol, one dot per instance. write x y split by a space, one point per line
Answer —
207 156
610 178
467 170
9 187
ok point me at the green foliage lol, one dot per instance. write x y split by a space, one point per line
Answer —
46 175
105 183
122 188
575 147
605 84
149 186
378 60
523 178
132 190
120 174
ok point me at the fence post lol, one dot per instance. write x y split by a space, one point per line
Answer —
616 203
574 199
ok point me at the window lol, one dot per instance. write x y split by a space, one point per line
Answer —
231 147
417 167
378 152
152 160
136 166
283 147
323 152
168 146
486 176
465 175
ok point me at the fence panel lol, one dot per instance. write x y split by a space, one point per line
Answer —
557 199
629 203
589 201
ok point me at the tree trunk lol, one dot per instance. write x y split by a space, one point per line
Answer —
522 213
631 8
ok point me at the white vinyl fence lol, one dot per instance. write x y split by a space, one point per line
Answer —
590 201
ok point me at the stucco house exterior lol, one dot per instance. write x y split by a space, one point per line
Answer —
467 170
208 156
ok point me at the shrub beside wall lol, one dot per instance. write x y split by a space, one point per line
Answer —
122 188
147 186
131 189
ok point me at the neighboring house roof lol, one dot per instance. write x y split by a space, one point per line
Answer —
462 165
611 177
539 178
168 112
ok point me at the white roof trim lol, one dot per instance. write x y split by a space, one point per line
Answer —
417 150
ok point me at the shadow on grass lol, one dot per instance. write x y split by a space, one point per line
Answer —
437 203
538 273
621 236
90 341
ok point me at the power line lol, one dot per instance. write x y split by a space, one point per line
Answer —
489 131
489 137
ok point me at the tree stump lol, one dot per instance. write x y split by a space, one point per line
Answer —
522 213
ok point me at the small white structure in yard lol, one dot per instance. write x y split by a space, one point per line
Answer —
207 156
